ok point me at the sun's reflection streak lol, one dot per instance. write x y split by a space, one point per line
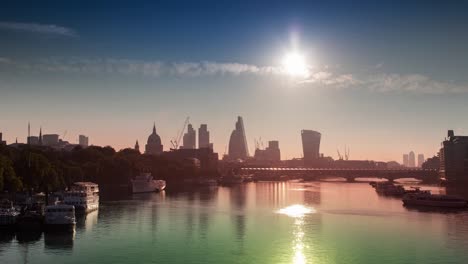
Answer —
298 212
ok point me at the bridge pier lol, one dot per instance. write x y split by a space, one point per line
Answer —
351 179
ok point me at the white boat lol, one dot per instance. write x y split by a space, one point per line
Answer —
434 200
8 214
84 196
145 183
59 216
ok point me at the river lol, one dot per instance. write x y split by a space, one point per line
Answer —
265 222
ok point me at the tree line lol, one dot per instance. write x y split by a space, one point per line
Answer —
39 169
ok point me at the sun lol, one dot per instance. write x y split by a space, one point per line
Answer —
295 65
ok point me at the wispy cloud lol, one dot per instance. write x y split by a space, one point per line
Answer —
38 28
319 78
144 68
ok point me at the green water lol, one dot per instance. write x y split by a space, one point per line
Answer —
323 222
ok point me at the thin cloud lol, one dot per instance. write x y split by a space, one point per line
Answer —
38 28
320 78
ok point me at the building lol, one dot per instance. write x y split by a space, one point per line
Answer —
83 141
420 160
2 142
137 146
311 145
33 140
50 140
204 158
454 158
153 145
237 142
271 153
189 139
411 160
405 160
204 137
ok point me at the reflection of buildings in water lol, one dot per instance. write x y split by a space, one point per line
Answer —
59 240
457 221
282 194
238 197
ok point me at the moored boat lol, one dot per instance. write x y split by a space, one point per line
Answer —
434 200
388 188
145 183
8 214
59 217
84 196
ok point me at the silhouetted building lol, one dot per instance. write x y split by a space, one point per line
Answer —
237 143
189 139
420 160
204 137
83 141
405 160
137 146
208 160
153 145
33 140
431 163
50 139
411 160
310 145
271 153
454 158
2 142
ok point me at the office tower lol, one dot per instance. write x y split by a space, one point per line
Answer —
237 143
50 139
420 160
311 144
83 141
411 160
189 140
405 160
153 145
203 136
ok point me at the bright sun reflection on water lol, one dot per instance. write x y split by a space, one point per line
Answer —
296 210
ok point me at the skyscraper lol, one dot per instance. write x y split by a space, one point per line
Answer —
405 160
203 136
189 140
237 143
420 160
411 160
311 144
83 141
153 145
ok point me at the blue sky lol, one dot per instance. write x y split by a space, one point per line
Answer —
383 78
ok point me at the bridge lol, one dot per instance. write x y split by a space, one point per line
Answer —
350 174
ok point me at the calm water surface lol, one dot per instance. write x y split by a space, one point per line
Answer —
271 222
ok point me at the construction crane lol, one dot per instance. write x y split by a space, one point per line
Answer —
64 135
339 154
176 141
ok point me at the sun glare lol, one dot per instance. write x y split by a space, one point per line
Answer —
294 64
296 210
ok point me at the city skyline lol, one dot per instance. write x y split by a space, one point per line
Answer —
358 69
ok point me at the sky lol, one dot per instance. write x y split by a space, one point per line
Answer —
382 78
